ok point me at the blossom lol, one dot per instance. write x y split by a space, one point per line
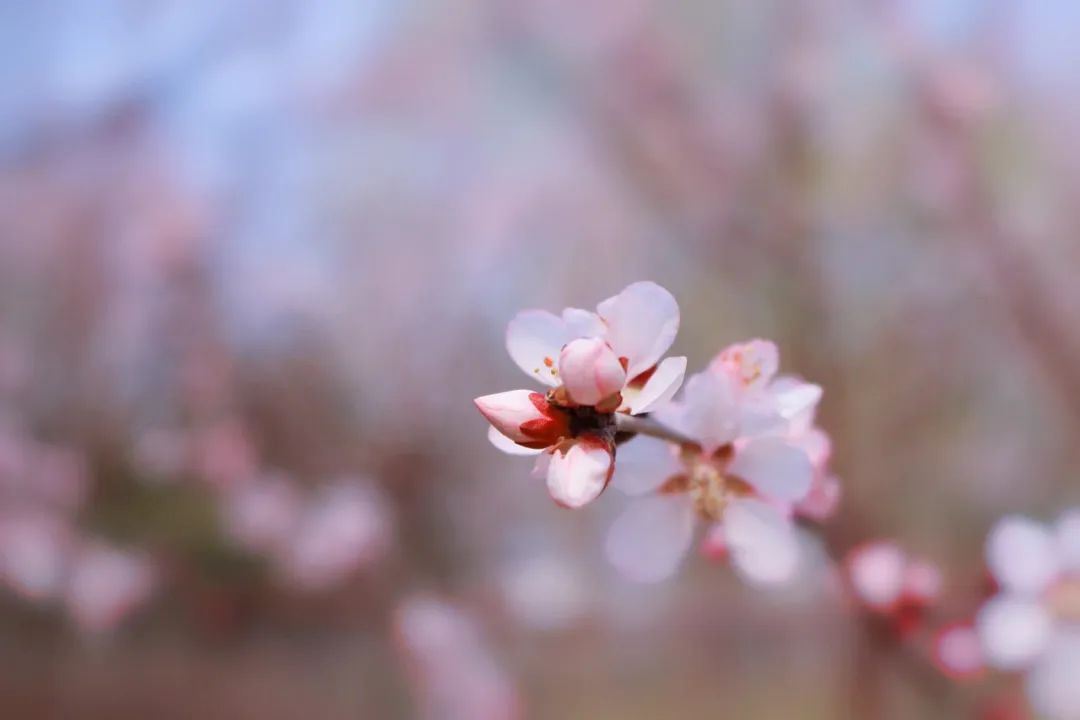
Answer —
1033 623
451 669
105 585
957 652
594 365
345 526
740 471
889 582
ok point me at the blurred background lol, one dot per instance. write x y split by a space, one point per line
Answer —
256 259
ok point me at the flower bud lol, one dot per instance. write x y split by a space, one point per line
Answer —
590 371
525 417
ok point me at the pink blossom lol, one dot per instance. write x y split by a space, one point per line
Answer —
887 581
224 455
1033 623
743 478
34 553
262 515
595 364
345 527
105 585
957 652
450 667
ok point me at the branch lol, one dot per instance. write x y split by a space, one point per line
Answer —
645 425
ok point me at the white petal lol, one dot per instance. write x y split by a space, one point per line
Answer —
709 413
1014 631
648 541
876 573
590 371
507 445
534 339
577 476
1021 555
541 466
583 323
795 399
1053 685
762 542
661 387
1067 534
644 464
642 322
775 468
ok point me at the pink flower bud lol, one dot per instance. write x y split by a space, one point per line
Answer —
590 371
525 417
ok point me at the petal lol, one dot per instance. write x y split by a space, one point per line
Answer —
507 445
1067 532
1014 631
922 581
958 652
648 541
823 499
644 464
1052 684
762 542
661 386
1021 555
541 466
876 573
590 371
578 474
775 468
508 411
795 400
753 363
642 322
583 323
534 339
709 413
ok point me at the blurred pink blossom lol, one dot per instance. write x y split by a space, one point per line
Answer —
344 527
1033 623
106 584
957 651
453 674
264 514
34 554
886 580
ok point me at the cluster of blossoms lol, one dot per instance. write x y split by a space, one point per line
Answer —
1032 624
45 557
312 542
738 451
890 583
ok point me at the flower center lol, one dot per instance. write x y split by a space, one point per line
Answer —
583 419
1064 599
709 484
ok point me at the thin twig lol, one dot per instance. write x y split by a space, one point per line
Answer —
644 425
